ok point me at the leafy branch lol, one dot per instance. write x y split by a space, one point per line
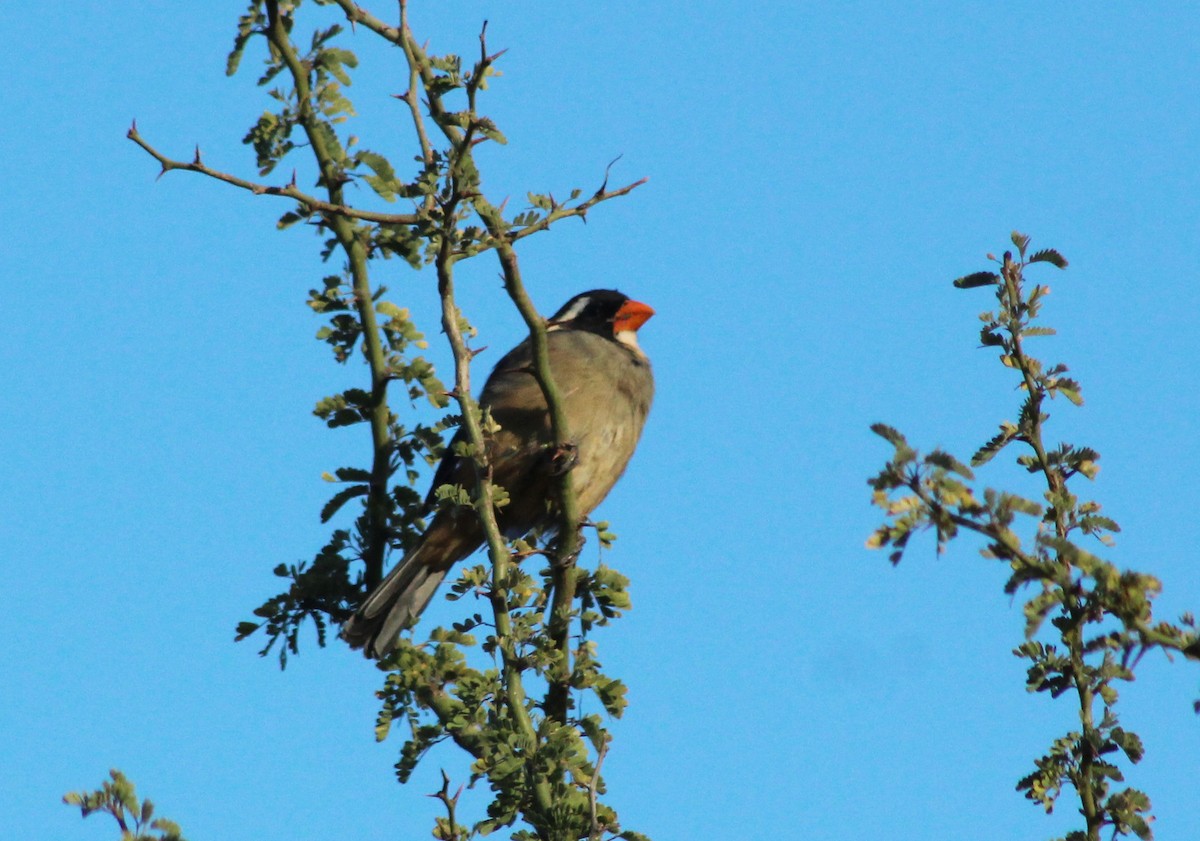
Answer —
118 797
1100 614
540 757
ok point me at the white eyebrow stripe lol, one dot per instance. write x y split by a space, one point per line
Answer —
574 311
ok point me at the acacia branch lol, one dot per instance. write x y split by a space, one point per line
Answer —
580 210
420 66
593 786
290 191
569 516
356 14
352 238
486 510
414 103
1075 606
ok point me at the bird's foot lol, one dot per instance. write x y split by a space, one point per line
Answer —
571 559
563 458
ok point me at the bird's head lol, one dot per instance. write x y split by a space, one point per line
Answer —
606 312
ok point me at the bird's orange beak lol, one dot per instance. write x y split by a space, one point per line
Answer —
632 315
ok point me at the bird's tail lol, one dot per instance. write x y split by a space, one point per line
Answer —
398 600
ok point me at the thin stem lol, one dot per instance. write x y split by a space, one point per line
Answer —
289 191
356 14
580 210
352 239
1072 634
569 515
485 508
593 786
414 102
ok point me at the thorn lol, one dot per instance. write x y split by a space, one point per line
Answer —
475 352
607 170
132 129
292 183
495 56
502 204
196 161
161 173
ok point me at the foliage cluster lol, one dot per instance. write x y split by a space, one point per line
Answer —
1100 616
476 684
118 797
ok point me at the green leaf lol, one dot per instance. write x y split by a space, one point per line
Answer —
290 218
889 434
384 182
341 498
1049 255
353 474
247 28
977 279
245 629
997 443
1070 393
1130 743
942 459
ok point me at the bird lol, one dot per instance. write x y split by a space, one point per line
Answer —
606 387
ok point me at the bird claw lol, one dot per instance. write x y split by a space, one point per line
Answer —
563 458
570 560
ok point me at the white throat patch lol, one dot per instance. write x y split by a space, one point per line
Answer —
629 339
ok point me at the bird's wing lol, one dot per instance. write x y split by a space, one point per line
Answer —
517 405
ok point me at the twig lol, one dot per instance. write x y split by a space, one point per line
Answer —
484 504
349 238
580 210
289 191
597 831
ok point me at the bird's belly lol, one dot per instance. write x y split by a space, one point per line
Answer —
605 447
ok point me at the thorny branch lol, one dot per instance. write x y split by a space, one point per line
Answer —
290 190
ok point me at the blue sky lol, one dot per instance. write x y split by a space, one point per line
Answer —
818 175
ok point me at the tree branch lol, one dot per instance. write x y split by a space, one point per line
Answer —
289 191
486 510
353 241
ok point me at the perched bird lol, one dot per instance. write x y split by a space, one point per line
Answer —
606 386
